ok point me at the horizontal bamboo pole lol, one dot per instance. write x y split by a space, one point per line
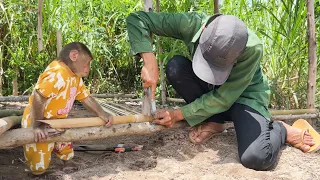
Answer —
293 112
8 122
95 121
25 98
10 112
22 136
294 117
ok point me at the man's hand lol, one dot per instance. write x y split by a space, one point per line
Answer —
43 131
150 72
168 117
107 119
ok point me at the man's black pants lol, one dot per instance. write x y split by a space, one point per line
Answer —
259 139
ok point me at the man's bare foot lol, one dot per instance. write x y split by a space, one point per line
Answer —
70 165
205 131
294 137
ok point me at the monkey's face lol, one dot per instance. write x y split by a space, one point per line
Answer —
82 66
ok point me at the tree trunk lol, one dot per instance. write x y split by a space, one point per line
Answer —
8 122
312 70
40 38
19 137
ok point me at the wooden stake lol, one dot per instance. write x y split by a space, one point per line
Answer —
312 70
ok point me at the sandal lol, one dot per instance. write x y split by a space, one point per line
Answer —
199 130
306 127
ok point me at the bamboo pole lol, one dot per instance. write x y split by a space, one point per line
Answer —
40 37
19 137
312 56
59 42
8 122
15 89
10 112
25 98
95 121
216 6
161 63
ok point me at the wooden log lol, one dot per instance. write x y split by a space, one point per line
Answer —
10 112
312 56
25 98
22 136
8 122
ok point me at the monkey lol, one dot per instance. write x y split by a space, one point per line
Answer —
52 98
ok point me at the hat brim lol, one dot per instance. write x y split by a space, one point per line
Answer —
207 72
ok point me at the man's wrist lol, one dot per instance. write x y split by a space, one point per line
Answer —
178 115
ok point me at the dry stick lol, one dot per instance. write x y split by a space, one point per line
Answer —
19 137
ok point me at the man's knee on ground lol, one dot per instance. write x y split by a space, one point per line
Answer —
257 160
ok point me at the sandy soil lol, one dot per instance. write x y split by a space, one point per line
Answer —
166 155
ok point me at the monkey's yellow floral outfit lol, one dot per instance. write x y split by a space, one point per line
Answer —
61 87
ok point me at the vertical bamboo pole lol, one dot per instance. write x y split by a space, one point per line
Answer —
15 83
1 69
216 6
148 5
312 71
59 42
40 38
162 80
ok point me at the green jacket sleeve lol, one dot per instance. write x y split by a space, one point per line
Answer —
141 24
221 99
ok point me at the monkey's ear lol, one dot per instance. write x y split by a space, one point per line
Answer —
73 55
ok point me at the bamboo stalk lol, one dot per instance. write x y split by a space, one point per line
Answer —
40 37
294 117
312 56
95 121
59 42
293 112
176 100
216 6
22 136
25 98
10 112
8 122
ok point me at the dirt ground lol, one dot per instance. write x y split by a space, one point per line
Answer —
165 155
